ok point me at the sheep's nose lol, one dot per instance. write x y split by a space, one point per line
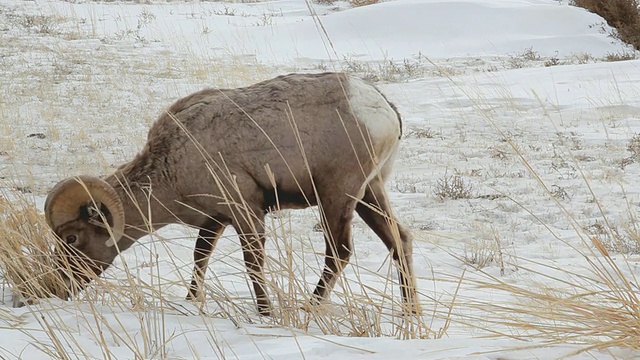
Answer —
20 301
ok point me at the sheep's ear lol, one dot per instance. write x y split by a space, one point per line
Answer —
94 212
97 214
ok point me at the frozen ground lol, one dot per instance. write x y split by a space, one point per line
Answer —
542 150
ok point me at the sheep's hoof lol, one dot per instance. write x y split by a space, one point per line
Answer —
312 305
412 308
194 296
264 307
264 311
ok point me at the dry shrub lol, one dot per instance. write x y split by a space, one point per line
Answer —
26 255
620 56
623 15
363 2
613 239
633 146
354 3
453 187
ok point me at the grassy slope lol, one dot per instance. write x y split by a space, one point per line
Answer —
80 91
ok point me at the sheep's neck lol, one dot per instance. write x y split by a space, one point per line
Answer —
143 213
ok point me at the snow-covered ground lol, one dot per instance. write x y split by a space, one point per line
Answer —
508 97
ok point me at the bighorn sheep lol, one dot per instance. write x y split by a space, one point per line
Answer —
223 157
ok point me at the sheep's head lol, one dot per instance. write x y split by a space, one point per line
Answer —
87 216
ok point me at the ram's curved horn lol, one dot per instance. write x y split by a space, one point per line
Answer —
68 196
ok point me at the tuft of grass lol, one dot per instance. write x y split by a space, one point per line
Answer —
523 58
424 133
354 3
613 239
387 70
633 146
363 2
480 254
488 249
453 187
27 258
580 58
620 56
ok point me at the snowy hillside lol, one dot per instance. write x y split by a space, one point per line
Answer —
507 104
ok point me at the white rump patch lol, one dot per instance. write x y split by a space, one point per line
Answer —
374 112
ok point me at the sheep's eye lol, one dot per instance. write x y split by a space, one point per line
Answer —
71 239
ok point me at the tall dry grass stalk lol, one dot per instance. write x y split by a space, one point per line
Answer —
599 308
26 253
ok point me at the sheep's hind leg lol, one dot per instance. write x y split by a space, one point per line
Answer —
376 213
207 238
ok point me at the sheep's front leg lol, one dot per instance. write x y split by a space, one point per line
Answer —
207 238
337 224
252 240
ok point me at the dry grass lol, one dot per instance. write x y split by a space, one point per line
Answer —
633 146
620 56
354 3
387 70
26 254
598 309
624 15
362 311
453 187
